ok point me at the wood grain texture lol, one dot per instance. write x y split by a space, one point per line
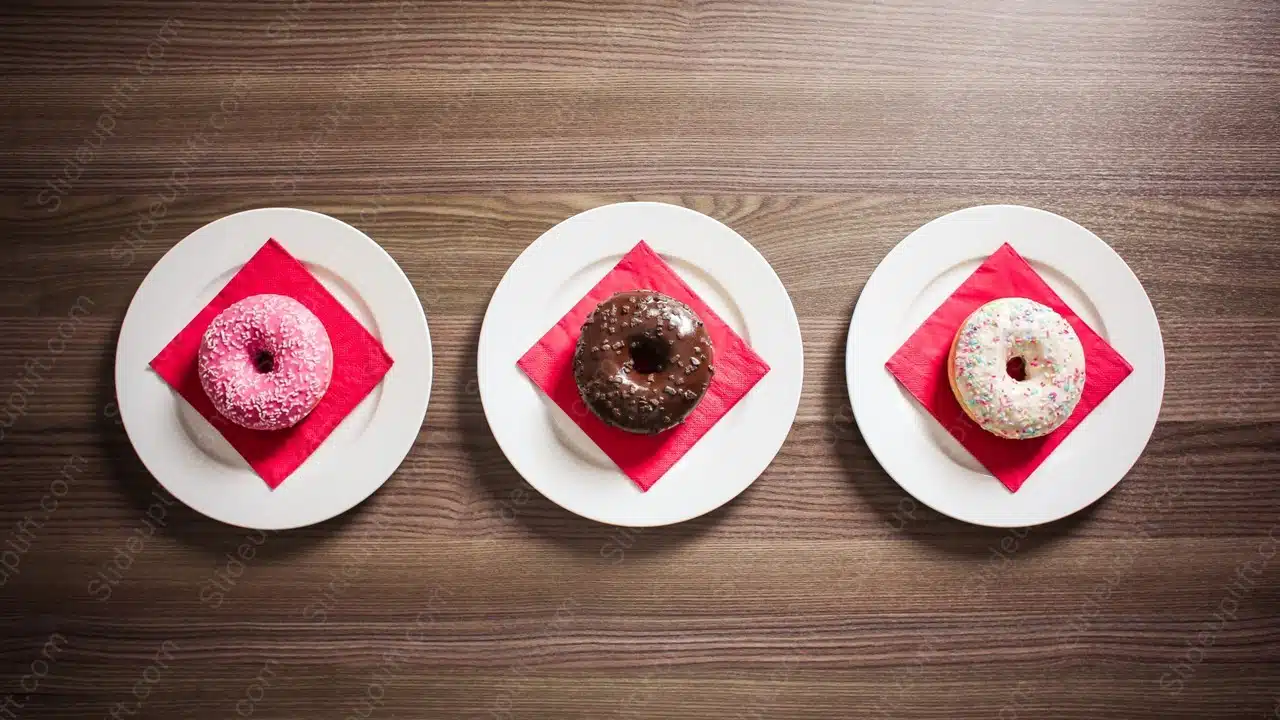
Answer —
455 133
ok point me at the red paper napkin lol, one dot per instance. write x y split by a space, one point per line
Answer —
644 458
921 366
359 362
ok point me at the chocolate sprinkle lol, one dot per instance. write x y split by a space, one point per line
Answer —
646 364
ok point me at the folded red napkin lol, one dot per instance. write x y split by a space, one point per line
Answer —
921 366
644 458
359 362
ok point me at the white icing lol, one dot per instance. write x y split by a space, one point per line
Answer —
1011 328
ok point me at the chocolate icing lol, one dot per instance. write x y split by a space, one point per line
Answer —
643 361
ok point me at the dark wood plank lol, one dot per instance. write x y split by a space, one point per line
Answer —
1136 96
455 133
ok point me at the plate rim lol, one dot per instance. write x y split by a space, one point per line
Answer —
122 369
1158 369
484 349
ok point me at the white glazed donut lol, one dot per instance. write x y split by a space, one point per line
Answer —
1052 358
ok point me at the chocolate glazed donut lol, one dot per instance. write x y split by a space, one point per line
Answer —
643 361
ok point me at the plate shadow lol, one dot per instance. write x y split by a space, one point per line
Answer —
901 513
137 485
512 501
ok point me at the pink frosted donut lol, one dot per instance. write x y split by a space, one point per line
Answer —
265 362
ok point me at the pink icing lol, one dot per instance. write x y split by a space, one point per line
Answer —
265 362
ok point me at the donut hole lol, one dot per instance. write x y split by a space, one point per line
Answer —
264 361
647 355
1017 368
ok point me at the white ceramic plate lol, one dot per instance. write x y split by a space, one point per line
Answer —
913 280
189 457
551 276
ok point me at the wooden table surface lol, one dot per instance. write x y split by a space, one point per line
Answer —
454 134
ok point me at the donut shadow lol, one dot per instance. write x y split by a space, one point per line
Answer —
513 505
205 437
903 514
193 529
571 436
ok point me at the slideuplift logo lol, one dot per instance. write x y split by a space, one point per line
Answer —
112 572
